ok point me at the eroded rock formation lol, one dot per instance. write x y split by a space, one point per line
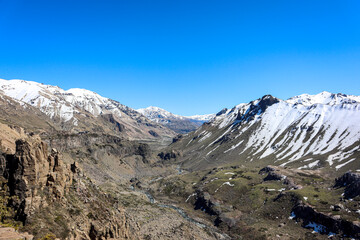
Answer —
29 171
41 187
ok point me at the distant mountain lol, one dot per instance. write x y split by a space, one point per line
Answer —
204 118
177 123
79 110
306 131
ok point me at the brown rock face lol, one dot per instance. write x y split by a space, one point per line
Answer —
332 223
42 187
351 182
29 170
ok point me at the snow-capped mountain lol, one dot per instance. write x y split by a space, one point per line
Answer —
177 123
203 118
157 114
306 131
74 108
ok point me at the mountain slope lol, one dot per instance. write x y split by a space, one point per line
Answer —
306 131
20 114
177 123
80 110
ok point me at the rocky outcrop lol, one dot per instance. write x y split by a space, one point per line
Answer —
118 227
328 223
49 196
324 223
273 174
206 203
29 171
177 138
266 169
90 141
153 133
116 125
291 184
173 154
257 108
351 182
222 111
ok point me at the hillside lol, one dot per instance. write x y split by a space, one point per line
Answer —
79 110
89 172
305 132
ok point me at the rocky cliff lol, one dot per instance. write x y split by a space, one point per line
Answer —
51 198
29 171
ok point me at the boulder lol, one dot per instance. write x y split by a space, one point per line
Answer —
351 182
266 169
274 176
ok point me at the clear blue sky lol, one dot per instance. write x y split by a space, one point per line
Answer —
189 57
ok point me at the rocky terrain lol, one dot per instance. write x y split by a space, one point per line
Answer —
75 165
46 197
269 203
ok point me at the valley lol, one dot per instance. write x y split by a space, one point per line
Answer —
76 165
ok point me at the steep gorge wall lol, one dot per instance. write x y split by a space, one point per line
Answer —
40 187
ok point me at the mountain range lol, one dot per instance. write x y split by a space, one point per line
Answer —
305 131
177 123
79 110
76 165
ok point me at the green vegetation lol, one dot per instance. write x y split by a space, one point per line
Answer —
7 214
240 196
48 236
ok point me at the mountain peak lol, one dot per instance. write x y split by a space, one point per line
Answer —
267 96
78 108
152 113
266 101
81 92
177 123
324 97
290 133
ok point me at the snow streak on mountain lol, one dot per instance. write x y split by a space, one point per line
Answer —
78 106
305 131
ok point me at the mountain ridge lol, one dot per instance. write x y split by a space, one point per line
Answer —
80 110
214 177
179 124
311 131
164 113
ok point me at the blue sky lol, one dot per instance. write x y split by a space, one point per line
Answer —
189 57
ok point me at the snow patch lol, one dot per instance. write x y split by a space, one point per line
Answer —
310 165
191 195
225 183
343 164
